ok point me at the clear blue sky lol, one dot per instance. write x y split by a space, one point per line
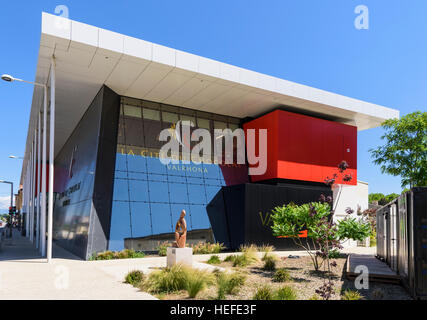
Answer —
307 41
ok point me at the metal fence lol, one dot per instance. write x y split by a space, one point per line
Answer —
402 239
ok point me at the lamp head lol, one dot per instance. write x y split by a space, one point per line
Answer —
7 77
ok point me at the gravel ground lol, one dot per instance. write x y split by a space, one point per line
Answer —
304 280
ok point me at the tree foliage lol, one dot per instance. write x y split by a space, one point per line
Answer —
323 235
381 198
404 153
350 228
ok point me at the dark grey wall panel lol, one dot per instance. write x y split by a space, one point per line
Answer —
106 161
241 214
84 172
75 168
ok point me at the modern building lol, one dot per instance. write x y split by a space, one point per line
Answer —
113 96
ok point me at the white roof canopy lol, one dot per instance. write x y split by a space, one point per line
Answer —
88 57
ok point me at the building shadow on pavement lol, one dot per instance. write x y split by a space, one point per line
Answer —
21 249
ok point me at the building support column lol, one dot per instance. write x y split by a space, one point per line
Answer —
43 192
38 184
51 159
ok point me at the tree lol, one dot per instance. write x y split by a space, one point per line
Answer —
323 235
405 150
391 197
375 197
382 199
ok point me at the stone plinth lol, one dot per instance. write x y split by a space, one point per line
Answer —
179 256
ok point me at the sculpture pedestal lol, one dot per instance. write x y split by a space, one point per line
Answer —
179 256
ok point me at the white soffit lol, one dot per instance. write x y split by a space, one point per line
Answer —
88 57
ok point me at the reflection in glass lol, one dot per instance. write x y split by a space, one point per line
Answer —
148 195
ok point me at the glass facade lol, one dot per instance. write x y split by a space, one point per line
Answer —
148 195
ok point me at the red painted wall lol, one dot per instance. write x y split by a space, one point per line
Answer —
301 147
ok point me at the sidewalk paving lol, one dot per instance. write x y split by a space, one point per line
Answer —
24 274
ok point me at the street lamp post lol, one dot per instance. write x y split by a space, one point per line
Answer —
43 228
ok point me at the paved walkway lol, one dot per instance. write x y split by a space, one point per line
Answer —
25 275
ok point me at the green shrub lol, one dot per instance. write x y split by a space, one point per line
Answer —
178 278
314 297
249 254
264 293
249 248
162 248
266 248
207 248
197 280
135 278
167 280
351 295
241 261
281 275
334 254
106 255
269 264
228 283
230 258
269 255
214 260
286 293
124 254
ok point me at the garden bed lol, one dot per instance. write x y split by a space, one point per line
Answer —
303 280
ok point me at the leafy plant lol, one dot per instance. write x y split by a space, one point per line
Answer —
214 260
289 220
162 248
266 248
269 263
197 281
264 293
314 297
404 153
334 254
323 235
167 280
228 283
135 278
207 248
351 295
350 228
286 293
240 261
248 256
230 258
269 255
281 275
178 278
124 254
